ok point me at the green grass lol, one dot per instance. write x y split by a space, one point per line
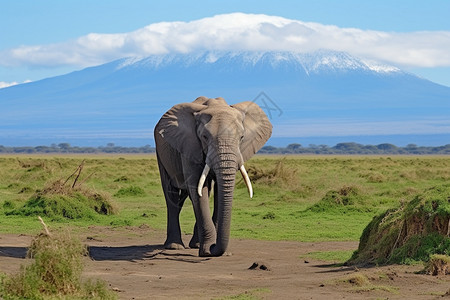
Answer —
298 198
249 295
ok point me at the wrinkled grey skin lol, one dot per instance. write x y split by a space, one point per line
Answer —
190 135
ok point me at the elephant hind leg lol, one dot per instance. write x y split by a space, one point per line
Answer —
175 198
174 202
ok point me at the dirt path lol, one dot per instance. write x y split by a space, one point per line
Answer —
134 263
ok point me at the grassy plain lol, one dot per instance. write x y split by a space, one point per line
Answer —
299 198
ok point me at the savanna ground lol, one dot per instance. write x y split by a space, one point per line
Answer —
303 223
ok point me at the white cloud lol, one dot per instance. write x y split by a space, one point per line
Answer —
239 31
8 84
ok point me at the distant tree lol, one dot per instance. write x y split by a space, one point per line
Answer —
294 147
351 148
268 149
64 146
388 148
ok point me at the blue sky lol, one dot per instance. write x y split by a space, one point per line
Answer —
50 37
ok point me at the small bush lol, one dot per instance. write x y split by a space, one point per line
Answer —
120 222
130 191
97 290
56 271
357 279
438 265
346 197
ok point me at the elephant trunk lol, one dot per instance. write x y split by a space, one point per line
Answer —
225 171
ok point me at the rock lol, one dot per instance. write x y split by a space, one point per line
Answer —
259 266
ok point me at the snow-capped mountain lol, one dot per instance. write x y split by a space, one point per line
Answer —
309 62
319 94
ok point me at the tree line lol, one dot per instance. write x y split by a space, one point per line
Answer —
67 148
355 148
295 148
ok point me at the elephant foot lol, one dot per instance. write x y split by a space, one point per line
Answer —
194 244
174 246
204 251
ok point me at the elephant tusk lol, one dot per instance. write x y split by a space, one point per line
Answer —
247 180
201 182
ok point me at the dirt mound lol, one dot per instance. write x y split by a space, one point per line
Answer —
66 199
411 232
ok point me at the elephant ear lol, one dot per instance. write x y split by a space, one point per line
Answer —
178 128
258 128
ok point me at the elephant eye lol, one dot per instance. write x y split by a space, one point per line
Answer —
204 137
242 138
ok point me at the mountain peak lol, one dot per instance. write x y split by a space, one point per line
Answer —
312 62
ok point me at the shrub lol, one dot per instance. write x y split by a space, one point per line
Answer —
438 265
130 191
345 198
411 232
56 271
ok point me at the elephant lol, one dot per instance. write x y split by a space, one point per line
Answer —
200 146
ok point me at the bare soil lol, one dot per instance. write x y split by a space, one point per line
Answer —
134 263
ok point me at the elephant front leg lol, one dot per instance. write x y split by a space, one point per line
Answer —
206 230
195 241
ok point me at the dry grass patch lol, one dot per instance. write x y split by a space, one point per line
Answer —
279 174
359 282
54 273
438 265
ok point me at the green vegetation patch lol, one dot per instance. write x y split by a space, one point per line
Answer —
347 197
411 232
135 191
286 191
254 294
54 273
360 283
60 200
